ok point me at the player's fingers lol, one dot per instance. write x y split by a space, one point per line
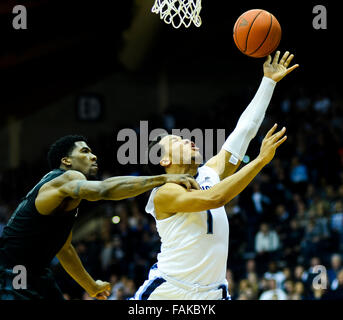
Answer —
281 141
284 58
278 135
270 132
187 184
292 68
99 296
288 61
194 184
276 57
268 60
105 294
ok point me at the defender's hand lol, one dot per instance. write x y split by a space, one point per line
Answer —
183 179
277 70
270 143
101 291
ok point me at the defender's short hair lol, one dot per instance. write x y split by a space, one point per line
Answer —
61 148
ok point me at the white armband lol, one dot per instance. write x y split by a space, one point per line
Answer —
250 121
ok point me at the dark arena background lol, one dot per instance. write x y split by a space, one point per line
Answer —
97 67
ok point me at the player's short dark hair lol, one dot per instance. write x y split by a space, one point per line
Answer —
155 169
61 148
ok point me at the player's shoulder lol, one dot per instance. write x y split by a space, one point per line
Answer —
169 187
168 190
67 176
70 175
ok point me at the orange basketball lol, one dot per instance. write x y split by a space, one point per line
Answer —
257 33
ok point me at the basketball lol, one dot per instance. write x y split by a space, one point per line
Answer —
257 33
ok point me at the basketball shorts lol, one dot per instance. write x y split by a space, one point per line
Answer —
160 287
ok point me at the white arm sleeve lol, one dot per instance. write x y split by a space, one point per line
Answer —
250 121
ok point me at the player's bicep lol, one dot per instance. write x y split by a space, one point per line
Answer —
222 165
48 199
52 193
82 189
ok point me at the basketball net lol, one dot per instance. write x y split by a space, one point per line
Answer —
178 12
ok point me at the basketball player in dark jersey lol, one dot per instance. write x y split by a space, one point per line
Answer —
40 227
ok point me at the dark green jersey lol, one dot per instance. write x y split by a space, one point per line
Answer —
32 239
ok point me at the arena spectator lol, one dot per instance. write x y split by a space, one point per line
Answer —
311 243
116 284
288 287
267 240
300 274
281 222
274 273
298 175
250 267
266 244
299 291
291 242
335 267
337 292
259 200
336 223
273 293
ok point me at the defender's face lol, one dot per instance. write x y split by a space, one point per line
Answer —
82 159
180 151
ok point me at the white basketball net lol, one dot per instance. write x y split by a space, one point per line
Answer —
179 12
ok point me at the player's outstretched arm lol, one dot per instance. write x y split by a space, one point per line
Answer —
227 161
118 188
170 199
72 264
73 184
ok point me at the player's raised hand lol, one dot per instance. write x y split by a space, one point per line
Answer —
183 179
276 69
270 143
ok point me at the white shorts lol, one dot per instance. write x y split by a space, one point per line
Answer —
157 287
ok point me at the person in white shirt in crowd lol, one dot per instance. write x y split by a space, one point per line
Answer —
273 293
266 240
274 273
267 244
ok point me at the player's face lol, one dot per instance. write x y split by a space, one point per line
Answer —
180 151
83 160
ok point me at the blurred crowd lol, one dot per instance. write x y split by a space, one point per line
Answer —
286 228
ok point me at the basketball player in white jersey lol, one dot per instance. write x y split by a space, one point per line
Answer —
193 224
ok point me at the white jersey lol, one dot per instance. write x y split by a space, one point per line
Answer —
194 246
